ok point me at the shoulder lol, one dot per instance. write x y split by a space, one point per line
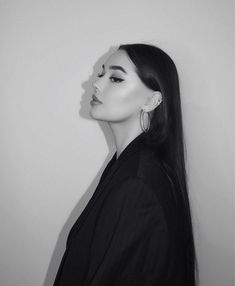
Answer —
150 168
147 183
133 196
133 190
134 202
147 169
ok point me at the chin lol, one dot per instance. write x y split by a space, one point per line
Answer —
95 114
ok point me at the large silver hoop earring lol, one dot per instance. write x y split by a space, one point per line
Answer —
142 120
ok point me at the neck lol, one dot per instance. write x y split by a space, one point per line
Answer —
124 133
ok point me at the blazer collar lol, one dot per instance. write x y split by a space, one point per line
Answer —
114 163
136 144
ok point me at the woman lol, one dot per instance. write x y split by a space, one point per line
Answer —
136 228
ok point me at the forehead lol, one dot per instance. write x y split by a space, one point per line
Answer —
121 58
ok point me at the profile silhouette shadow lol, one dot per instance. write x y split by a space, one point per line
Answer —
75 213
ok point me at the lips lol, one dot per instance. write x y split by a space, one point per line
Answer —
95 98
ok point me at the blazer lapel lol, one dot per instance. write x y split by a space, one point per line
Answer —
112 167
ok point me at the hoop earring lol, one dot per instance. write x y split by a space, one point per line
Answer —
142 114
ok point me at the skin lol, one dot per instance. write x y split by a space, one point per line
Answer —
123 95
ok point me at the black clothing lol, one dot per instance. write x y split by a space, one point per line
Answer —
128 234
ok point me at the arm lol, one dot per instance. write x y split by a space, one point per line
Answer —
130 240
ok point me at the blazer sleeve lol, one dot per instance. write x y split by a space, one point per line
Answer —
130 240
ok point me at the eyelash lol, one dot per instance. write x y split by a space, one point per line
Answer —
116 79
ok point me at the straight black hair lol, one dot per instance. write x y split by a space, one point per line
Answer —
165 136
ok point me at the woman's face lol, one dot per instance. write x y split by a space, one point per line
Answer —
120 90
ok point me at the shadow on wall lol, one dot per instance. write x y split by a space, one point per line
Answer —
83 112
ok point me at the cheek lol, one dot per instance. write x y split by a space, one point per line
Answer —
124 100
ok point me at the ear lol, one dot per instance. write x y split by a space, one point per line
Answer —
153 101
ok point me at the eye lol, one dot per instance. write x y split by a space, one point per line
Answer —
115 79
112 78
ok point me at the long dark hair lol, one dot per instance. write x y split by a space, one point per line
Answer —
158 72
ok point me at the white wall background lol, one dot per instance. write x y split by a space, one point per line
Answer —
52 154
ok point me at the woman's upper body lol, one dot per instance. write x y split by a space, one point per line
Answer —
129 233
136 229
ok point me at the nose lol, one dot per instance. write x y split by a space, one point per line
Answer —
96 88
97 85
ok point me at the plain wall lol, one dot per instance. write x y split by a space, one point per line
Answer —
52 153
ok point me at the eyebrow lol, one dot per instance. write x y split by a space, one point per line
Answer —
116 68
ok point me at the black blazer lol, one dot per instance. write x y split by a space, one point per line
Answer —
128 233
